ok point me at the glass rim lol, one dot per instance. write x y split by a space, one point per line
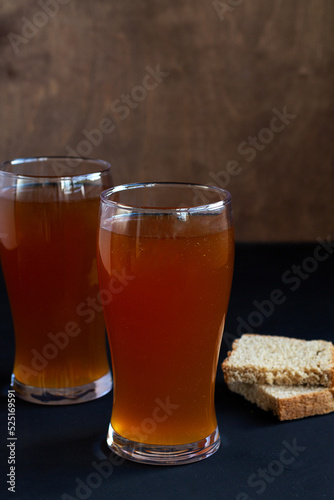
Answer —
150 209
104 166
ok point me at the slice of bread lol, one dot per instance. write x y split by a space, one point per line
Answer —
288 403
266 359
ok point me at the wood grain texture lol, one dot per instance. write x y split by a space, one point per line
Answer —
228 71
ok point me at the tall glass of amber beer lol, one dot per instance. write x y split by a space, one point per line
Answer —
173 246
48 225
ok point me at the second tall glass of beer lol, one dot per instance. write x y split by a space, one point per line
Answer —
165 263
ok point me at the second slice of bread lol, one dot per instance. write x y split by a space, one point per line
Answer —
266 359
288 403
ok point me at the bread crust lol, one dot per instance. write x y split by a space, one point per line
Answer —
302 406
314 401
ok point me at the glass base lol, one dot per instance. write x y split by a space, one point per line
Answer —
63 396
155 454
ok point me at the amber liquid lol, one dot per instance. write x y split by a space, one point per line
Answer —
165 326
48 256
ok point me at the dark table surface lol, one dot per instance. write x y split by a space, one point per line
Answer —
60 452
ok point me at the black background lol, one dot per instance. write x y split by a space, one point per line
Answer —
59 448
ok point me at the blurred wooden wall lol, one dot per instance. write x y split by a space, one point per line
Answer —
237 93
